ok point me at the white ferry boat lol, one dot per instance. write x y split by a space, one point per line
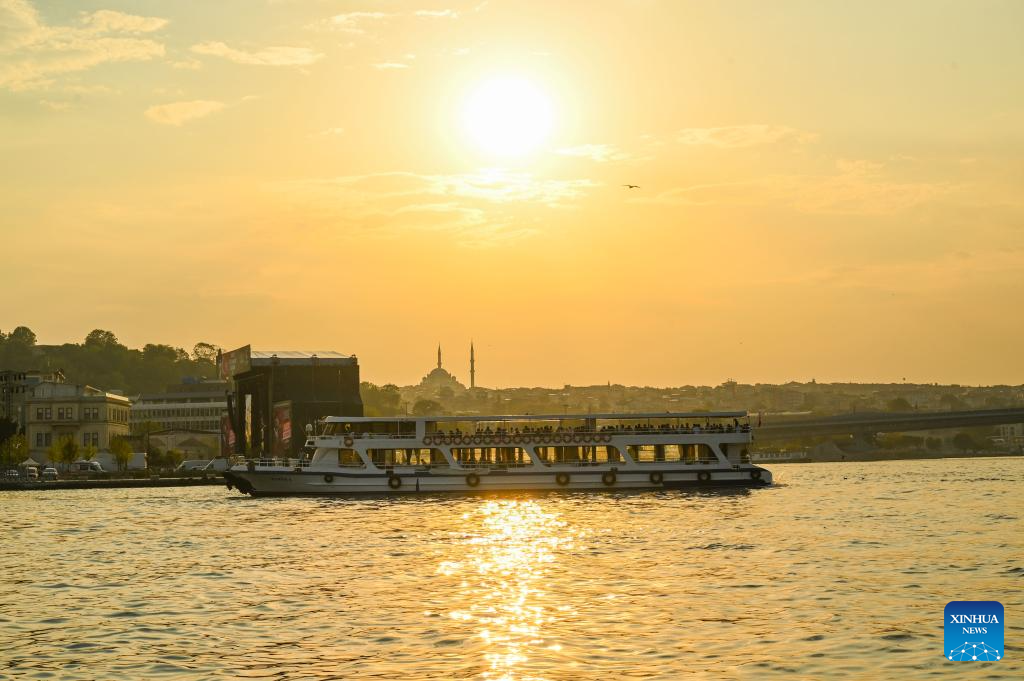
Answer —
403 455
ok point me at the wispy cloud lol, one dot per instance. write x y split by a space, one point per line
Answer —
268 56
179 113
384 66
858 187
106 20
737 136
33 54
187 64
437 13
595 152
479 209
349 22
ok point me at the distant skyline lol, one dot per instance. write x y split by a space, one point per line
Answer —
826 190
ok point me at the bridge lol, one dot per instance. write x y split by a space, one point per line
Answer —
887 422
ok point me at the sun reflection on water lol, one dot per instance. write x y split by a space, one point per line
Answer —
512 546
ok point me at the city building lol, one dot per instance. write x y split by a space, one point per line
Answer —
275 395
439 377
15 387
186 407
88 415
1012 436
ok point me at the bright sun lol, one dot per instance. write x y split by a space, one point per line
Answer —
507 116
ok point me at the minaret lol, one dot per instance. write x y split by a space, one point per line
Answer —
472 366
438 355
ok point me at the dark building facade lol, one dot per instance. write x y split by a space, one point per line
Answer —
275 394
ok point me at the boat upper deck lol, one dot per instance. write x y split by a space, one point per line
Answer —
646 422
609 416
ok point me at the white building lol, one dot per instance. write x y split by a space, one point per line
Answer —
188 407
89 416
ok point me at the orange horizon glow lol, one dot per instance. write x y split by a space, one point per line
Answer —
823 192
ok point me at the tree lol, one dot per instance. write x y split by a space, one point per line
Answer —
899 404
951 402
172 457
121 450
205 352
13 450
23 335
964 442
426 408
18 349
63 450
101 339
380 401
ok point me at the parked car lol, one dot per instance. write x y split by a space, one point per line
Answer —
32 473
11 474
87 467
49 473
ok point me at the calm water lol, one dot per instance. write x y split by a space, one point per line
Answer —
841 570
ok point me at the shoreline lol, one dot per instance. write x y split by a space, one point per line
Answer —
128 483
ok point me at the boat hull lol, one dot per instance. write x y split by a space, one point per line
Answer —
340 483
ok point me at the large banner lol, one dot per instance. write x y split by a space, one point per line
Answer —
282 428
227 437
235 362
247 424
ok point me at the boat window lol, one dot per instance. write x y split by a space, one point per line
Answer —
693 453
581 455
349 457
388 428
656 453
504 457
406 457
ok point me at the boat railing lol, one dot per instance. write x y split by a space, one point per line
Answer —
278 462
494 465
498 436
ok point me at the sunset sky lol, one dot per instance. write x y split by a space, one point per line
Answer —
826 189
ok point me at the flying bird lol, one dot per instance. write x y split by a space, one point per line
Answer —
631 186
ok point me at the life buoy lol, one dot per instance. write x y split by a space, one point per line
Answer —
505 440
608 478
348 441
472 479
456 439
704 476
427 441
394 482
447 439
755 474
328 478
606 438
657 477
577 439
477 439
562 479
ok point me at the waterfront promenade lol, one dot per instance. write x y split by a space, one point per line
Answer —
126 483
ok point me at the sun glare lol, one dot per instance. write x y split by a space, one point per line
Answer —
507 117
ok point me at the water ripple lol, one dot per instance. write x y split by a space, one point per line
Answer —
841 572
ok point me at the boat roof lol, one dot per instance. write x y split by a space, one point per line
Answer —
542 417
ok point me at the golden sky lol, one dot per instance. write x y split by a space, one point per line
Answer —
826 189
